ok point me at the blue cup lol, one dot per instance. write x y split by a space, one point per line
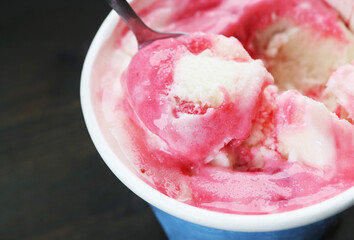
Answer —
176 229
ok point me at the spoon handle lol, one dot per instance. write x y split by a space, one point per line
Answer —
143 33
126 12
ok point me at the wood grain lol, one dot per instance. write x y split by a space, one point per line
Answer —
53 183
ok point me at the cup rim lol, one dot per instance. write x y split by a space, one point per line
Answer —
218 220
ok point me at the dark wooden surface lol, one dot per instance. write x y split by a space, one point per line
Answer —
53 183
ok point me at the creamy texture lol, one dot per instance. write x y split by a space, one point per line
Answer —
175 91
206 123
341 87
345 9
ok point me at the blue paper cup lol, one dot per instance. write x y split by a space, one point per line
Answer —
176 228
182 221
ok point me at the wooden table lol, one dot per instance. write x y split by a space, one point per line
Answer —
53 183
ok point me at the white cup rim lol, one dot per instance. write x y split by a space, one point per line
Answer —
218 220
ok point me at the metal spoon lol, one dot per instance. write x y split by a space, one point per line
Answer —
143 33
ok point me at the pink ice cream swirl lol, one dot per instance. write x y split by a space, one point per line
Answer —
191 130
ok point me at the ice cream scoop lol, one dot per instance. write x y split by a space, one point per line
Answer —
195 94
142 32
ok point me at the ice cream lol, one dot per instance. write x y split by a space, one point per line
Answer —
341 87
210 126
195 93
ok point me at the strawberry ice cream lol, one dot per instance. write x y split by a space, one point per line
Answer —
252 112
195 93
341 87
